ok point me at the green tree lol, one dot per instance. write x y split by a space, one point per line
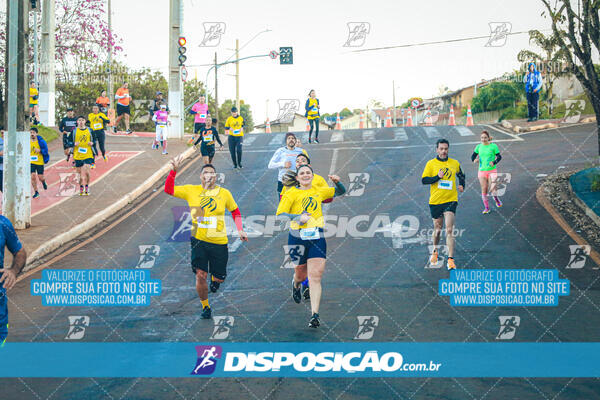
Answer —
345 113
496 96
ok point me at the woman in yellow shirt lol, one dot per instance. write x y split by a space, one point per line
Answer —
306 241
34 95
313 115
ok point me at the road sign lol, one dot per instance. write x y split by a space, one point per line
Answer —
415 103
184 73
273 54
286 55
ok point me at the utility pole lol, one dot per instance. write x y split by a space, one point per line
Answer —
47 79
175 83
394 100
237 75
111 89
16 205
216 94
36 64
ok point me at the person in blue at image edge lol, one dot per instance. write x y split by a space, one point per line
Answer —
533 85
8 276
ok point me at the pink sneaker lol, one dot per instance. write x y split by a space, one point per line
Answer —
486 211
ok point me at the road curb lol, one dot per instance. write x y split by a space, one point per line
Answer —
584 207
99 217
545 202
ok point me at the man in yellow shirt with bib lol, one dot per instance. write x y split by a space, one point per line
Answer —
234 127
98 121
83 154
38 151
207 203
441 175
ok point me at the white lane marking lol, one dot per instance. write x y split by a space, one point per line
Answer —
235 245
334 157
368 135
464 131
337 137
400 134
248 140
277 139
431 132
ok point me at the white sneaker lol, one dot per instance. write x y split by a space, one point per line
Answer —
165 152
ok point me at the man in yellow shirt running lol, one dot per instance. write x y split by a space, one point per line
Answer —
234 127
34 95
440 174
83 154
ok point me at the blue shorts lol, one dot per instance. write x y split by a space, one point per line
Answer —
312 248
3 316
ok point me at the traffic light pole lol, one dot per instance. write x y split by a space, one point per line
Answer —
16 205
175 99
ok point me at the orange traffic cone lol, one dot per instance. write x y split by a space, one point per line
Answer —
451 119
469 117
428 120
409 117
307 126
388 119
361 123
268 127
338 123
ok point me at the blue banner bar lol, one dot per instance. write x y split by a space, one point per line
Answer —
286 359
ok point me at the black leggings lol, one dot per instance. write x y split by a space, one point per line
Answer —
314 123
235 149
100 137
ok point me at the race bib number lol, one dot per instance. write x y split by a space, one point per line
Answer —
207 222
237 131
82 150
34 158
309 233
445 184
208 138
97 126
202 116
315 109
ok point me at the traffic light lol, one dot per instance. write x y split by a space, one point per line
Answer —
182 50
286 55
34 4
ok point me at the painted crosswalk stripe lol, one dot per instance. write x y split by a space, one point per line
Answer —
337 137
400 134
248 140
368 135
277 139
464 131
431 132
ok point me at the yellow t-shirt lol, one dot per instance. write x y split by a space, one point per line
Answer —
83 151
211 226
318 182
36 158
33 92
96 122
444 190
297 201
313 111
235 125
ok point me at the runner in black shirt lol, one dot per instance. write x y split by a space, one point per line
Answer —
67 127
208 135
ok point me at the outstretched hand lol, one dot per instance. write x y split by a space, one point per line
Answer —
176 163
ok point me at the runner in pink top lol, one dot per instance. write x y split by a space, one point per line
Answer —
161 119
200 111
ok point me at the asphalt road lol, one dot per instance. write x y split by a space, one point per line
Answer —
373 269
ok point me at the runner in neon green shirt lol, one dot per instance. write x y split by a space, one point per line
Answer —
488 155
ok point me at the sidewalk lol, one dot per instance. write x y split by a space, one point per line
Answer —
60 215
522 126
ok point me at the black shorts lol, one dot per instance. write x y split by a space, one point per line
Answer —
67 140
279 187
437 210
121 109
207 150
306 249
80 163
198 126
37 168
210 257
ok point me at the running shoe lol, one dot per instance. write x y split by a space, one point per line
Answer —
486 210
498 203
296 292
81 192
305 292
434 257
309 141
36 195
314 321
235 167
240 166
206 312
93 166
164 152
105 158
44 185
451 264
214 286
129 131
316 140
86 193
